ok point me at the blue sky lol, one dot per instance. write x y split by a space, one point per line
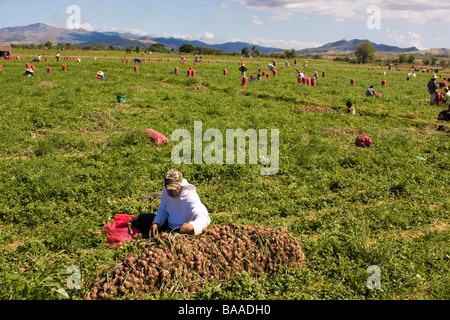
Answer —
284 24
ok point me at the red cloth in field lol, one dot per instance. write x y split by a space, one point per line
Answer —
363 141
439 97
157 137
117 231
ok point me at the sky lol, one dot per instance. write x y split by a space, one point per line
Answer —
285 24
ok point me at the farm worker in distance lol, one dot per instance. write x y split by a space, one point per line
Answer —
243 69
445 115
371 92
101 75
316 75
350 108
271 67
180 207
432 89
446 97
29 72
58 55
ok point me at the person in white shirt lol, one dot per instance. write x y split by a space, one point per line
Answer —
446 97
180 207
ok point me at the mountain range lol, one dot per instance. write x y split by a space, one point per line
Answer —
344 45
40 33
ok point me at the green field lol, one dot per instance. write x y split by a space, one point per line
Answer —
72 158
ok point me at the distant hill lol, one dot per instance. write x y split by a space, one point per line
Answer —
350 45
40 33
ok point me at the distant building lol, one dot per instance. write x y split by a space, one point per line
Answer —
5 50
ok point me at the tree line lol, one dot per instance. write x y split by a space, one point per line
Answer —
364 52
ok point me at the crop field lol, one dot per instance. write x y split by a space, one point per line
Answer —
72 157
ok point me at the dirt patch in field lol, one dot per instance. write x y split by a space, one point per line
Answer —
160 84
338 132
196 87
419 233
104 126
98 115
415 233
12 246
139 89
312 110
45 84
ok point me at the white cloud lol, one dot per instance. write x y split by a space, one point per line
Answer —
282 15
413 39
395 35
283 44
88 27
413 11
224 5
209 38
206 37
256 21
134 31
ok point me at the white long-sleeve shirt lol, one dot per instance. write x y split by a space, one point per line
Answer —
186 208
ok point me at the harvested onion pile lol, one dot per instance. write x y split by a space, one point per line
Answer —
181 262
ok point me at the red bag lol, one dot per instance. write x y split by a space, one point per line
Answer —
363 141
439 97
117 231
157 137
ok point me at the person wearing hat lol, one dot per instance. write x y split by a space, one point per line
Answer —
445 114
180 207
432 89
446 97
29 72
243 69
100 75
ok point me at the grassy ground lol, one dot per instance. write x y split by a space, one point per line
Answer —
72 158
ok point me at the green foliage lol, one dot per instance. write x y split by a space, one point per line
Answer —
72 158
187 48
365 52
